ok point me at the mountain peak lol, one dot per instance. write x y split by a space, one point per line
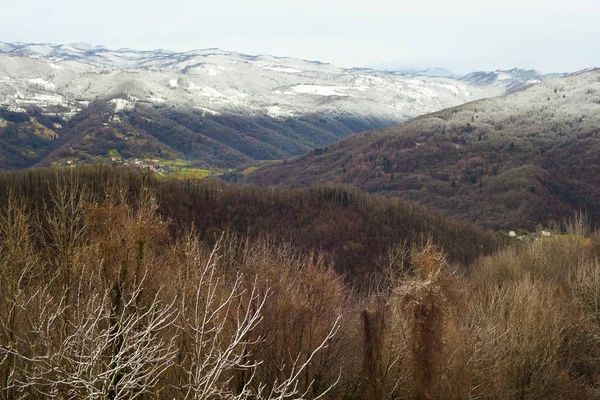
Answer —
80 46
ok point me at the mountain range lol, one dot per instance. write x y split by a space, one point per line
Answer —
214 81
212 107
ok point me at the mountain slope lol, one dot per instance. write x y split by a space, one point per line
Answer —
118 128
512 80
512 161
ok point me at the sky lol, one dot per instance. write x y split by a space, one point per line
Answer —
460 35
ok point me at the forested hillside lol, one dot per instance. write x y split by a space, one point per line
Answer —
352 227
507 162
104 130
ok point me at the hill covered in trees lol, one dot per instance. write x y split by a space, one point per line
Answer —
116 129
355 229
507 162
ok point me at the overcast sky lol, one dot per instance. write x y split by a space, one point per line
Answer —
461 35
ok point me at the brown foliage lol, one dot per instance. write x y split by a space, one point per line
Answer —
100 296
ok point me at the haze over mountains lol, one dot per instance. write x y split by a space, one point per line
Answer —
505 162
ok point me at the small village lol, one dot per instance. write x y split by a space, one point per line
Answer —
138 163
175 168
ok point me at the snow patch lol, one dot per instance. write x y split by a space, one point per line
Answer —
414 82
49 98
283 69
320 90
277 111
208 111
49 86
122 104
451 88
205 91
368 80
13 108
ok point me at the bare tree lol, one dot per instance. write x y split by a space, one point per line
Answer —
64 225
109 353
113 336
222 316
225 314
19 267
289 388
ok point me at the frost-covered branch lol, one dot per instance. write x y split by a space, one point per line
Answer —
99 351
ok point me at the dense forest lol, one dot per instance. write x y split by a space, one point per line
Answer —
119 285
100 130
352 227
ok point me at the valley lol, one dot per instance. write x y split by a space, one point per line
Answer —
209 224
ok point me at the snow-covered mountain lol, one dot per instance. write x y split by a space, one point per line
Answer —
511 80
67 77
80 103
435 72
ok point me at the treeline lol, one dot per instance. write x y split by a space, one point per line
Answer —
352 227
102 298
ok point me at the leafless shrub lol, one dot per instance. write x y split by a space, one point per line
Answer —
20 267
578 225
108 352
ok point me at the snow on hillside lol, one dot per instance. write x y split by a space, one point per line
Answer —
438 72
512 80
551 107
62 78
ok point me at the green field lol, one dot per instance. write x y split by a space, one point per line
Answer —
190 172
114 153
